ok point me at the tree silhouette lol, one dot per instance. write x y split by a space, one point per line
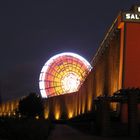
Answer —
31 106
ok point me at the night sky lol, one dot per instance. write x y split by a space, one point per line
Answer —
33 31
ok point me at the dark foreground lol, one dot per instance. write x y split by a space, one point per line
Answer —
24 129
65 132
31 129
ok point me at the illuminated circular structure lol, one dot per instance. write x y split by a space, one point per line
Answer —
63 73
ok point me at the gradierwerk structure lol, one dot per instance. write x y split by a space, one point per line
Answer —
116 66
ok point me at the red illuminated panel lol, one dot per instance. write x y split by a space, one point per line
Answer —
132 56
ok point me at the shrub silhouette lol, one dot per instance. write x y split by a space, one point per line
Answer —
31 106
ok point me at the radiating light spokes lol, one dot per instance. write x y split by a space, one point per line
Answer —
70 82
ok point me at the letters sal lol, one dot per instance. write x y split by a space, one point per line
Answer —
132 16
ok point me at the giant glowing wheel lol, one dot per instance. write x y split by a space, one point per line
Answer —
63 73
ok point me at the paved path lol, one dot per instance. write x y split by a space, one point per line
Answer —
64 132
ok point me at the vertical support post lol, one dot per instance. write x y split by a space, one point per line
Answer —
132 114
105 118
98 117
124 112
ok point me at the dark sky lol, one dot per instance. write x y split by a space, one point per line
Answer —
33 31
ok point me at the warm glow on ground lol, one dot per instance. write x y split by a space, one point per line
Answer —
57 115
37 117
46 113
70 114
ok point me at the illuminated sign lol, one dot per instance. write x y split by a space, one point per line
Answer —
132 16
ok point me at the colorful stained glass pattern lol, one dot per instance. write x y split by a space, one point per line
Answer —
63 73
